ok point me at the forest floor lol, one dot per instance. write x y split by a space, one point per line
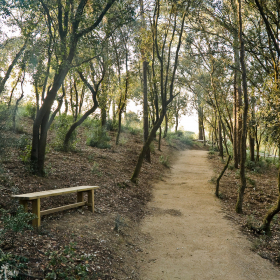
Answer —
112 242
102 245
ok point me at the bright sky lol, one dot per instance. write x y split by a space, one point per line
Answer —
188 122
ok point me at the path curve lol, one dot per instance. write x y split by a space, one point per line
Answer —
188 236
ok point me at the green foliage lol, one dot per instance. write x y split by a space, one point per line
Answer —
11 265
259 166
252 222
99 139
131 119
164 161
91 122
134 130
29 110
14 224
111 125
5 141
24 145
61 125
184 137
230 166
122 140
68 264
251 181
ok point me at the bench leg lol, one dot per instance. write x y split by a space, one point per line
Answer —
80 197
91 200
24 204
36 223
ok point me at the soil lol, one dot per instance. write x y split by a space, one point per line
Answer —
133 225
187 235
261 194
109 235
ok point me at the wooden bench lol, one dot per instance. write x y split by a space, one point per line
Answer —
35 197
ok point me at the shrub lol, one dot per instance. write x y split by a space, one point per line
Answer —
91 122
131 119
61 125
29 110
5 122
164 161
111 125
184 137
11 265
13 224
99 139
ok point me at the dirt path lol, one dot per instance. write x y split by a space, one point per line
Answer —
188 236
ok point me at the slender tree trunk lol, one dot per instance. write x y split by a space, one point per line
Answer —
220 177
12 65
272 211
166 126
13 89
225 139
144 149
17 102
235 128
159 139
240 198
76 124
176 122
221 153
119 127
200 123
145 110
252 147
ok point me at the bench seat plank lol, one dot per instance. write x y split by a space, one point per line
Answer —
36 195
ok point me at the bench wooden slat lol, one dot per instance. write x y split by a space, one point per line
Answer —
36 195
62 208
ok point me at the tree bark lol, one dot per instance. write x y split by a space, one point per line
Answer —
200 123
220 177
241 191
166 126
145 148
221 148
272 211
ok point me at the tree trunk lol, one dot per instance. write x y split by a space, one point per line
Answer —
239 203
145 148
235 129
103 116
166 126
16 106
221 153
177 122
220 177
119 127
76 124
145 110
159 139
272 211
200 123
10 68
252 147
